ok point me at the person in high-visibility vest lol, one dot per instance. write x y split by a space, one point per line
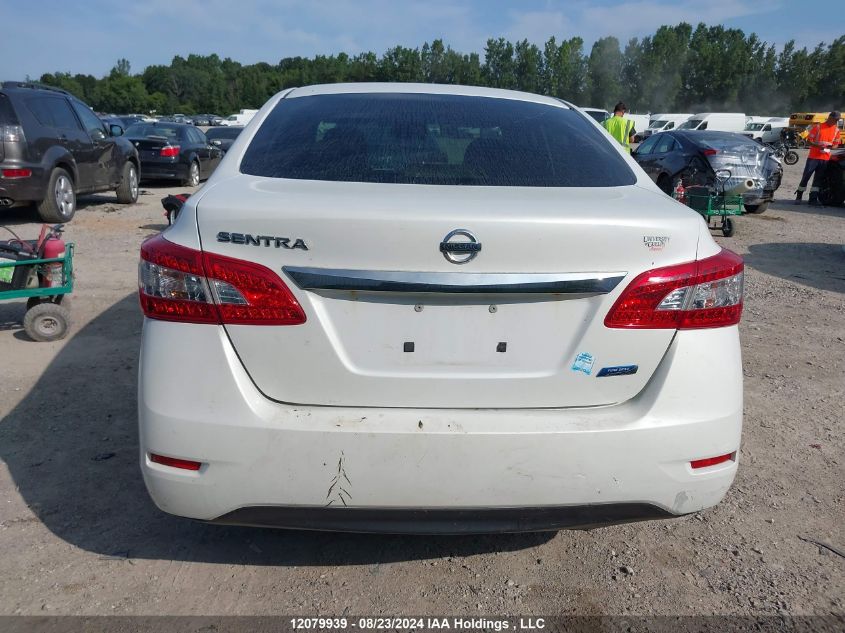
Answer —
620 128
821 138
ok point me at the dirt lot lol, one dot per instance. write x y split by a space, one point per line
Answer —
78 534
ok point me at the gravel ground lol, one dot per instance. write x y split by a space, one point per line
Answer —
78 534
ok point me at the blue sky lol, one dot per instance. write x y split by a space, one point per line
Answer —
88 36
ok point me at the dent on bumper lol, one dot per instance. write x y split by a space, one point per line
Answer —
270 463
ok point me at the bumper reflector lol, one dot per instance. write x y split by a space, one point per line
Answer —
712 461
184 464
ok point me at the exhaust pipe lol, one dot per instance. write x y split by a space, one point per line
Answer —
742 187
6 202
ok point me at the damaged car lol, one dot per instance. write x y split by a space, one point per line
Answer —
694 157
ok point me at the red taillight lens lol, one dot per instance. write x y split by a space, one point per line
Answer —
250 294
181 284
711 461
710 152
700 294
184 464
170 151
17 173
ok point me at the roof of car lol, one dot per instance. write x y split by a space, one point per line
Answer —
418 88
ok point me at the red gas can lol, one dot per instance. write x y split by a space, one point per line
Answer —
53 247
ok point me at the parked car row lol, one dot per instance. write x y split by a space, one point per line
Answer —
53 148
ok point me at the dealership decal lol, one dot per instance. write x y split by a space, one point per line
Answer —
583 362
619 370
655 242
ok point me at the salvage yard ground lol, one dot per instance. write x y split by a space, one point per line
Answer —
78 534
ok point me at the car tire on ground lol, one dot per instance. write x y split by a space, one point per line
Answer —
59 203
193 179
46 322
756 208
665 184
127 192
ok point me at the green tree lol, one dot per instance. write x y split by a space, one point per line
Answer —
499 65
605 70
528 66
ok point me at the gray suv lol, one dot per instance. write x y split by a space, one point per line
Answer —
53 147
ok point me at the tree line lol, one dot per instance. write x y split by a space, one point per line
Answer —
677 69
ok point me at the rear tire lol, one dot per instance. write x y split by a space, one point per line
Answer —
127 192
193 179
59 203
46 322
665 184
756 208
790 158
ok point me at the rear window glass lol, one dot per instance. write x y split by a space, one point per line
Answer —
7 113
434 140
149 130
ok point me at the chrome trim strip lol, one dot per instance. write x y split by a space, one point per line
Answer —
474 283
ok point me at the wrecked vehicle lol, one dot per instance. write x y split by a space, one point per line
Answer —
694 157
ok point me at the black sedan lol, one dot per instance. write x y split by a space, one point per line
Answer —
694 157
174 151
223 137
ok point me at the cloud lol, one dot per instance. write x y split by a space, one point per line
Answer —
537 26
592 20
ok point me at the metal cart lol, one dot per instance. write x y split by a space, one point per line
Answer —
47 315
715 208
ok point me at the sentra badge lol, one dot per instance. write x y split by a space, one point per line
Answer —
261 240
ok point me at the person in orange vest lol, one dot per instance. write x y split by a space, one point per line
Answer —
822 138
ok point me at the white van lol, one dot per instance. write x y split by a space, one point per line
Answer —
768 130
240 119
718 121
663 122
641 122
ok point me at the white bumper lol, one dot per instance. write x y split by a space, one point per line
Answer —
197 402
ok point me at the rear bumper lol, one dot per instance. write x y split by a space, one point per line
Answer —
443 521
432 470
164 170
30 189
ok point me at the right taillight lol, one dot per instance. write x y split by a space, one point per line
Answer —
702 294
177 283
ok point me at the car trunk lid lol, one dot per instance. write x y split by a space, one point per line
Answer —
392 322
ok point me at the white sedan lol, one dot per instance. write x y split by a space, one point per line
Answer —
423 308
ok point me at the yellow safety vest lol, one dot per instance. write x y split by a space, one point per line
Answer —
620 129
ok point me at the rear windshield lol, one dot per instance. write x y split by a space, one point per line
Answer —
148 130
433 140
7 113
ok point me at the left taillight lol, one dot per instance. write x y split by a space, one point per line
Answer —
177 283
706 293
